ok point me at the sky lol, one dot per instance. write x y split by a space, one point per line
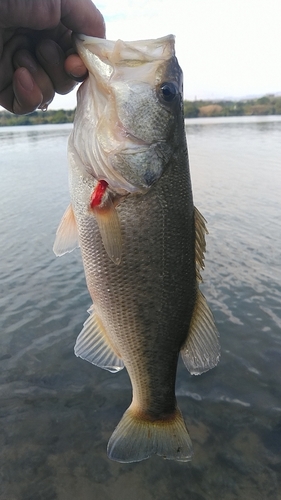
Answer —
226 48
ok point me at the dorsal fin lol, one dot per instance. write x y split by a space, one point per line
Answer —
201 350
200 242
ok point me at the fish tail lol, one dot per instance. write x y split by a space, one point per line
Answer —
137 438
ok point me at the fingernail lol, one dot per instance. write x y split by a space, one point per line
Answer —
78 73
49 51
25 79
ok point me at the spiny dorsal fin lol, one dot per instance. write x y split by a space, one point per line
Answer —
67 234
93 345
201 350
200 242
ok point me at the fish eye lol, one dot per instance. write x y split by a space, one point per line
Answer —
168 91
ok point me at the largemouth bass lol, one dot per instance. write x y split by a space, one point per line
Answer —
142 240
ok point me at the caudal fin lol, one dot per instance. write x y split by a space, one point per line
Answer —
136 438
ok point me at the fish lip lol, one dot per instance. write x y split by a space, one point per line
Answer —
137 140
125 134
141 145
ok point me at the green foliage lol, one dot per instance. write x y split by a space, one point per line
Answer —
278 107
263 100
36 118
266 105
190 109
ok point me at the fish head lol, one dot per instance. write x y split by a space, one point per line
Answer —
128 110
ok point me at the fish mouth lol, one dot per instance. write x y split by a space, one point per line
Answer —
128 140
138 141
130 143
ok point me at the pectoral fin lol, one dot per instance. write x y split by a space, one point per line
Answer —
201 350
94 345
109 226
67 234
108 221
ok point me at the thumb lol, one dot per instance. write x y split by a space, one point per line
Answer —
82 17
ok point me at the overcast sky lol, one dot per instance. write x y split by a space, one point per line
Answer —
226 48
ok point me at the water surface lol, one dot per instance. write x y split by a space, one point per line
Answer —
57 412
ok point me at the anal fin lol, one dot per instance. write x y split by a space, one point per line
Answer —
93 345
201 350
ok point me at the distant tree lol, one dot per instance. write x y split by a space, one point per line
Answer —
211 110
59 117
263 100
277 107
190 109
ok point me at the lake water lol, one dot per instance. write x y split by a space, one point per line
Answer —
57 412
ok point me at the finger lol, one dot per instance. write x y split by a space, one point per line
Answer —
36 14
24 59
25 95
75 67
51 58
6 61
7 69
81 17
86 19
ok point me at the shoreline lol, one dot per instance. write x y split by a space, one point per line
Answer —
269 105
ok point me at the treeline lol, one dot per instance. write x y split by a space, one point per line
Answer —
37 117
267 105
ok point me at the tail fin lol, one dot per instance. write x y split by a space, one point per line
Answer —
136 438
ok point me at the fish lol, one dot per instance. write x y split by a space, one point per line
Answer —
142 239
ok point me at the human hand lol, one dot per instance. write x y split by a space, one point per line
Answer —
36 53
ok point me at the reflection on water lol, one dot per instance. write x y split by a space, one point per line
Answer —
58 412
